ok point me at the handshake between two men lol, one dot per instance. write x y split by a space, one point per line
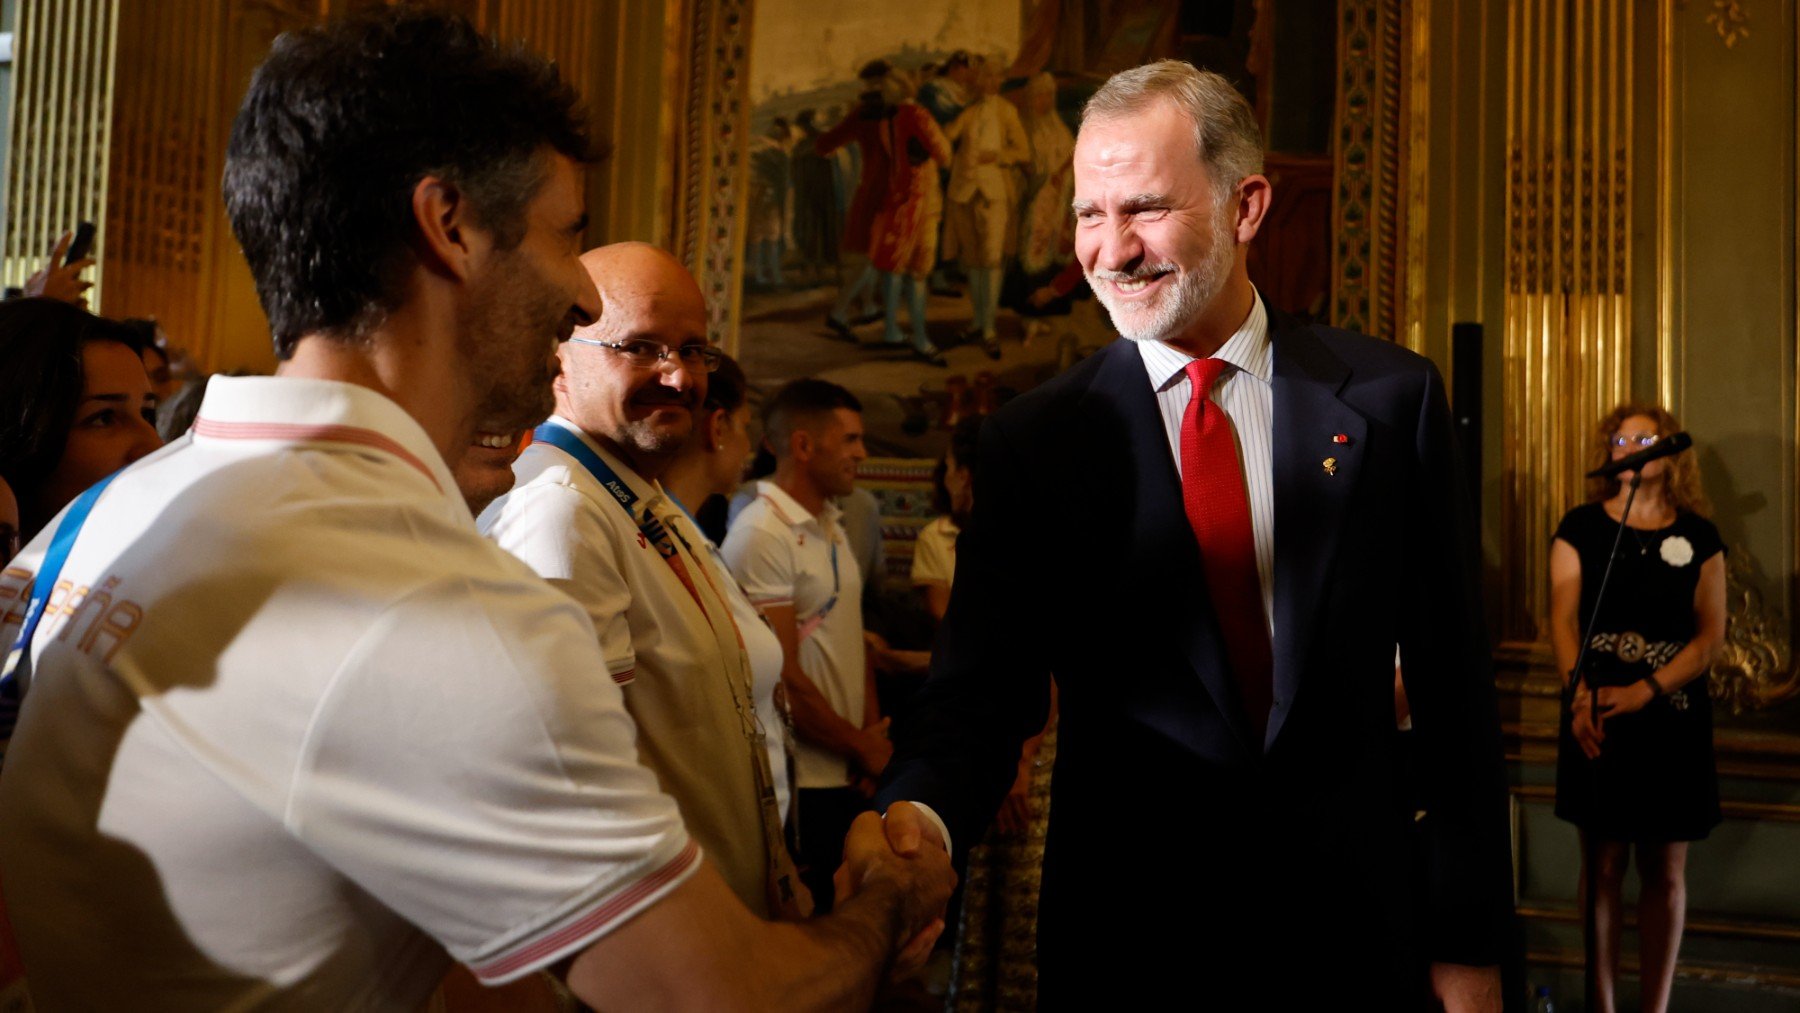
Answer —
699 948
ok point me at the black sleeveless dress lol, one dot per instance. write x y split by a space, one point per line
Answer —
1654 780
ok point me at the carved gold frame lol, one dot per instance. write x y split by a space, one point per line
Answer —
713 148
1380 165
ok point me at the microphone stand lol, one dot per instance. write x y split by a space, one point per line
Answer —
1590 841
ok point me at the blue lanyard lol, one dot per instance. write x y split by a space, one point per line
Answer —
836 585
567 442
49 571
695 521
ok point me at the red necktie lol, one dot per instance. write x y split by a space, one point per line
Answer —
1212 489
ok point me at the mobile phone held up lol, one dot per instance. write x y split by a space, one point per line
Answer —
82 245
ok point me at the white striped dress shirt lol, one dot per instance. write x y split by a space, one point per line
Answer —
1243 391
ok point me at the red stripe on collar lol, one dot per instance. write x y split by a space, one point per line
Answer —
296 432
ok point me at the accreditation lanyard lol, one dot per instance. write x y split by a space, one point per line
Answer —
785 899
648 525
49 571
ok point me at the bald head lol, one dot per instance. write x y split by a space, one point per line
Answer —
643 412
639 281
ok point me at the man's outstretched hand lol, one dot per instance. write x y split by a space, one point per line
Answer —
903 851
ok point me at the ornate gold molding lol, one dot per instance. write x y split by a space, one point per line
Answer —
1753 670
1360 162
1730 20
1415 159
710 184
1380 168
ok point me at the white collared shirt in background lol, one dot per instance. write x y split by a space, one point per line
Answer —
1245 392
934 552
302 730
765 655
678 670
782 555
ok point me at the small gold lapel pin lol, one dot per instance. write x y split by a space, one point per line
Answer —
1330 464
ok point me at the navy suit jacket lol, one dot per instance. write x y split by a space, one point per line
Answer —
1305 849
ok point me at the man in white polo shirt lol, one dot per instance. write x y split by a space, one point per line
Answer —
588 513
789 551
293 728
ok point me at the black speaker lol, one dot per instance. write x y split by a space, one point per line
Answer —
1465 405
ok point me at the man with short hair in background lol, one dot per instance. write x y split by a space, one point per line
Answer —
789 551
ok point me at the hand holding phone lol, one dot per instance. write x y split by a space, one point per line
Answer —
82 245
60 278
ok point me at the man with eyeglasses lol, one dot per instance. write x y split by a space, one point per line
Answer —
588 513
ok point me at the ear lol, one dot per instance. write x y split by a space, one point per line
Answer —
800 444
559 384
448 243
1253 193
714 429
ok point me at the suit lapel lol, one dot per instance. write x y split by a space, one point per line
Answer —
1160 539
1310 494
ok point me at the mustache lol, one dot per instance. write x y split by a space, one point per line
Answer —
664 396
1142 272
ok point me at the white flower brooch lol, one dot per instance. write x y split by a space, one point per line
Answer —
1677 551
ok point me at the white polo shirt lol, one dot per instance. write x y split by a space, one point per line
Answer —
295 729
783 556
673 653
934 553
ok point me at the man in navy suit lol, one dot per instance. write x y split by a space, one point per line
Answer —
1215 534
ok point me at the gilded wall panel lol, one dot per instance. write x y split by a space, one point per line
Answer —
166 157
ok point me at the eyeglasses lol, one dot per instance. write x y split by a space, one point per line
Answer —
646 354
1646 440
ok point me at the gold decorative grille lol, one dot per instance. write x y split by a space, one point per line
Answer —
61 128
1567 342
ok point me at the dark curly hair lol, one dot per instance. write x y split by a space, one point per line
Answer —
340 124
40 389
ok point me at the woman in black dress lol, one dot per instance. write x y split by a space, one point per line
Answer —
1637 771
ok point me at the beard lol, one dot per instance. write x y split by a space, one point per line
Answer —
515 322
649 439
1173 309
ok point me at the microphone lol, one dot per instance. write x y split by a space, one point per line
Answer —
1635 462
